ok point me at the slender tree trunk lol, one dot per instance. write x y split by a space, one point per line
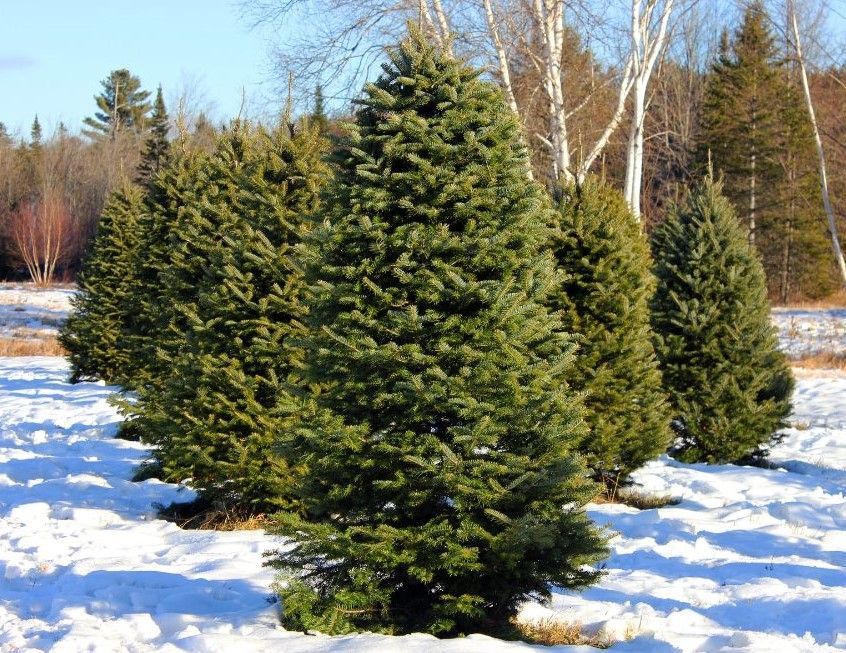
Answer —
634 158
829 210
787 247
752 197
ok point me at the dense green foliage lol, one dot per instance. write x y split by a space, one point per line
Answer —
100 308
755 130
603 298
236 294
729 385
176 188
441 490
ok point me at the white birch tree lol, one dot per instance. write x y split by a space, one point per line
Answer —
823 172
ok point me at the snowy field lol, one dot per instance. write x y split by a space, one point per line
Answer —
750 560
27 312
805 332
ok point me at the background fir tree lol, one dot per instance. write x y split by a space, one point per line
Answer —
441 489
122 106
754 129
603 298
35 134
100 309
729 385
318 116
228 394
157 146
175 188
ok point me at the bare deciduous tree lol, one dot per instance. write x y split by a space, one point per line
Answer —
649 34
512 37
42 235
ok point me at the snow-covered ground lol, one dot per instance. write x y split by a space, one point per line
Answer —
28 312
804 332
751 559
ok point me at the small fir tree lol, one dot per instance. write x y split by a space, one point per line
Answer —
728 383
237 293
157 147
91 333
603 297
441 491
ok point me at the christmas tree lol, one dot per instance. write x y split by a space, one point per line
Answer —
603 297
176 188
729 385
101 308
441 490
236 292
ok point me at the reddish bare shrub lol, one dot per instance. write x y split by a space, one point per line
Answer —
42 236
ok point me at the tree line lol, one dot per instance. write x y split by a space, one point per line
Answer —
421 363
54 186
647 117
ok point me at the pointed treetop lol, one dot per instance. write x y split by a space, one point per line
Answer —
318 116
35 133
157 147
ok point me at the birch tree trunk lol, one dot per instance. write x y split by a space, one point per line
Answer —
648 43
829 210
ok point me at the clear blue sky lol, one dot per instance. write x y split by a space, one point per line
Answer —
54 53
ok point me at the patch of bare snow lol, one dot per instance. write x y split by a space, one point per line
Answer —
30 312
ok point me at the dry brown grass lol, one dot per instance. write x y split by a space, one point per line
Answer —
202 517
837 300
553 632
822 361
232 523
30 347
639 499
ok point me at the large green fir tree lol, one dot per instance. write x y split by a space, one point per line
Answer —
755 132
92 332
603 298
728 383
442 491
237 294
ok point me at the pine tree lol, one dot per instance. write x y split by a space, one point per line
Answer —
441 489
603 297
157 147
729 385
755 131
122 105
100 309
237 292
